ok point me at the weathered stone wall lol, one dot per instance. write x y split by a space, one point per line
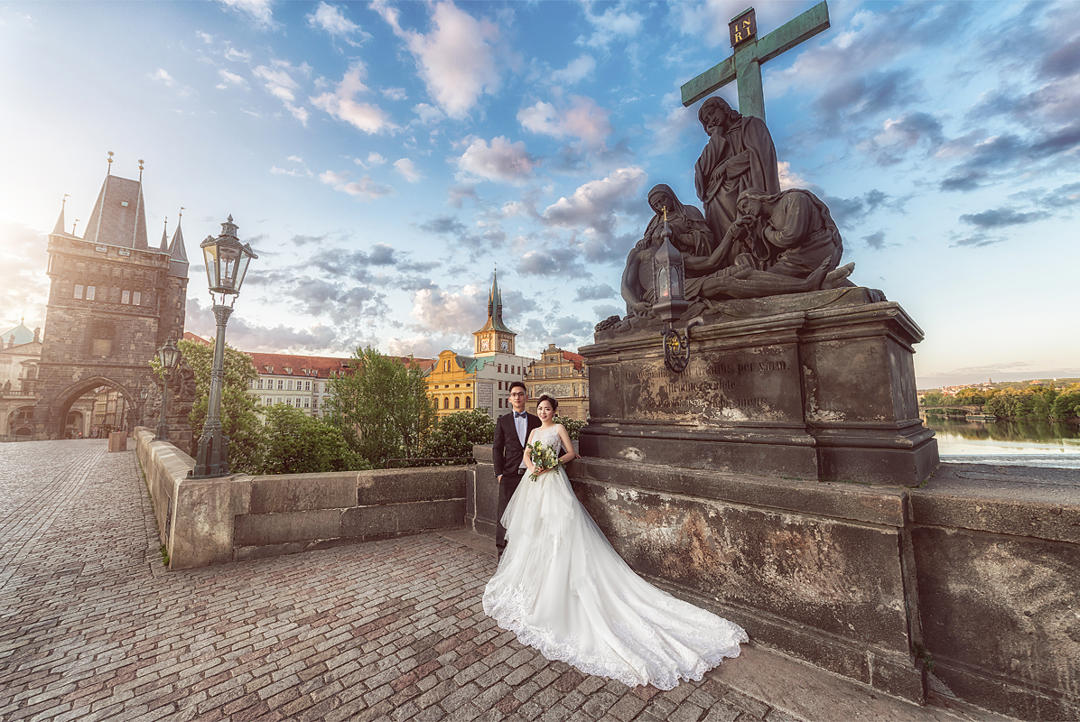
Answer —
207 521
974 578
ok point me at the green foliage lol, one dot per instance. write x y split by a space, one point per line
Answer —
1066 406
382 408
239 419
295 443
573 426
454 435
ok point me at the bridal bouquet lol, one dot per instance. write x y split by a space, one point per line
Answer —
544 457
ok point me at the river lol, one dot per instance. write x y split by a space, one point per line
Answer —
1014 443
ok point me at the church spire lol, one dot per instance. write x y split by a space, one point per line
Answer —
59 227
178 265
165 235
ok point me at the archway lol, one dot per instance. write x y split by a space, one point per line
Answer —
109 405
21 423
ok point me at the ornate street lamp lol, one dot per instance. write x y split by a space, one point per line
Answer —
169 358
227 262
669 279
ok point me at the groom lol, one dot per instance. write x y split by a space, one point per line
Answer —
508 450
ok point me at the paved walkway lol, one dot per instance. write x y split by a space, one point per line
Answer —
93 627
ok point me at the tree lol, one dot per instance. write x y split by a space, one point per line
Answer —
455 435
239 419
295 443
382 407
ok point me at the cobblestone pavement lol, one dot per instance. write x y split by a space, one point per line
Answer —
92 626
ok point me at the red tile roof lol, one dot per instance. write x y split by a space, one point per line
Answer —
577 359
189 336
281 364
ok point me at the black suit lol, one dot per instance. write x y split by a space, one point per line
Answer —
507 452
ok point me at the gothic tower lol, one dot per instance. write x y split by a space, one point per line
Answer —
494 337
113 301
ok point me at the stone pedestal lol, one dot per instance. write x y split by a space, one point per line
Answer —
808 386
117 441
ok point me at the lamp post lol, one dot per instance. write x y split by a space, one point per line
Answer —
227 262
169 358
669 280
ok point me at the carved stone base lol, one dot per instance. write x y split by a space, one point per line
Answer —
810 386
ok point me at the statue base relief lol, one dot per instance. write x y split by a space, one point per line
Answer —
815 386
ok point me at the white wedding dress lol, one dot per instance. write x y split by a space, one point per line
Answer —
561 588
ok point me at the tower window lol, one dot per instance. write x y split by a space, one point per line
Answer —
136 298
125 297
78 290
91 291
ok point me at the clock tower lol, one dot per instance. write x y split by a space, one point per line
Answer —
494 337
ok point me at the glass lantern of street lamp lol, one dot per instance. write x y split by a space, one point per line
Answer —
169 356
227 261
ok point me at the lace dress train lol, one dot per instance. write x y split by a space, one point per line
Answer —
562 588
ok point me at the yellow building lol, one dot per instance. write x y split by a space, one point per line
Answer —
481 381
563 375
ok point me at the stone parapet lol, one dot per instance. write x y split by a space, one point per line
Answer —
207 521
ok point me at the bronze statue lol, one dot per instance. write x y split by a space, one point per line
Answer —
739 156
690 234
782 242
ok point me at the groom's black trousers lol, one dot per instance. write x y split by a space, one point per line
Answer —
507 488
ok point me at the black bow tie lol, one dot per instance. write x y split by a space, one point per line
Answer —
521 415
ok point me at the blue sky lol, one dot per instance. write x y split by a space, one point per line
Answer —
383 157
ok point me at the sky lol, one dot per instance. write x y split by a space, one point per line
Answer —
384 158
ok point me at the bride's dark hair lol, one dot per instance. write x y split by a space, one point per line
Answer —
550 400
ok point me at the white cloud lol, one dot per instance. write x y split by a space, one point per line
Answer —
162 76
279 82
408 170
499 161
365 188
230 80
258 10
332 20
575 71
207 38
373 159
342 104
297 170
584 120
428 114
233 54
593 206
788 177
394 93
616 22
456 59
295 159
461 312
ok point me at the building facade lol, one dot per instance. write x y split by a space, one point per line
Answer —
564 376
303 382
113 301
482 381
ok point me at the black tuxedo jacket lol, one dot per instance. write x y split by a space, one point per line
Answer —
507 451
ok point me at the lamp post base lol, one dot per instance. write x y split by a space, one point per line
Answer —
212 458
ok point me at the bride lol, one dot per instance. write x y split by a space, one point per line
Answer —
561 587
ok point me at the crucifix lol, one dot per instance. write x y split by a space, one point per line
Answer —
750 52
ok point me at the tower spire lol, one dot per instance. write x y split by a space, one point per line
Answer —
165 235
59 227
108 169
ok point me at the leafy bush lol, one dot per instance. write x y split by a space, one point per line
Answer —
295 443
573 426
454 435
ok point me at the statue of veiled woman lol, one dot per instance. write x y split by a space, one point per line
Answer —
690 234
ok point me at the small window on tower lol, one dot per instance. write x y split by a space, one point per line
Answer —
90 292
78 290
136 298
125 297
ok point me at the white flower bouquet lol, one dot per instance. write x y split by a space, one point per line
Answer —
543 457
